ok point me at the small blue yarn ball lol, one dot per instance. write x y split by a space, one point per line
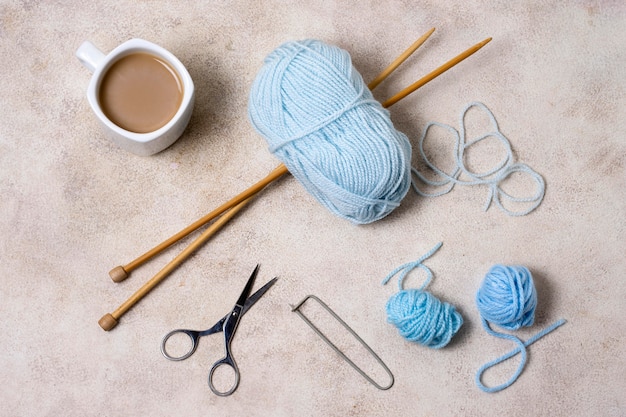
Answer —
507 297
320 119
421 317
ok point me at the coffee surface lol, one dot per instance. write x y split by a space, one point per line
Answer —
140 93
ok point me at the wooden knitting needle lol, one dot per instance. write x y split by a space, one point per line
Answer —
399 60
109 320
435 73
120 273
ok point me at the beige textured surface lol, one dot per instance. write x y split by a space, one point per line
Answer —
74 206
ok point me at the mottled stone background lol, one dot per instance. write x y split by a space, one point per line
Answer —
74 206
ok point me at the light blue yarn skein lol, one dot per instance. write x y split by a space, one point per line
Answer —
420 316
507 297
320 119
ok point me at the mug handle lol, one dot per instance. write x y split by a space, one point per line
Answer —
89 55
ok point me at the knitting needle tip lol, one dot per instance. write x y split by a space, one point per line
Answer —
399 60
435 73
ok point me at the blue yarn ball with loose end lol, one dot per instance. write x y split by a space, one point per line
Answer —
507 297
320 119
421 317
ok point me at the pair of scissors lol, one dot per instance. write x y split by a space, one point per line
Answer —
228 325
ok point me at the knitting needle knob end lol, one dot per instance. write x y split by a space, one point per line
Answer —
107 322
118 274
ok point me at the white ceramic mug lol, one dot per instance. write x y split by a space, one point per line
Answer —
142 144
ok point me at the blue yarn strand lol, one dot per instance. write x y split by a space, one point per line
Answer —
521 349
508 298
419 316
409 266
491 178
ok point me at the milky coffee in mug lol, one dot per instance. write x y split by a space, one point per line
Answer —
142 94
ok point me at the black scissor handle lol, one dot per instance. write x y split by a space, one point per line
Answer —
229 362
229 328
194 335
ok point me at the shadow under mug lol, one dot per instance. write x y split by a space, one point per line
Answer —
143 144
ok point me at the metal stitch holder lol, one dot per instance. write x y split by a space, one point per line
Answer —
296 309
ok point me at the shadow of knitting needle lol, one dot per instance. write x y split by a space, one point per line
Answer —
231 207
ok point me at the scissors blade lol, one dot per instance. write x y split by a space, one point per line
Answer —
250 301
246 291
258 294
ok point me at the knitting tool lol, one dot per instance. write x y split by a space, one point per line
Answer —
120 273
399 60
227 325
110 320
418 315
435 73
508 298
296 309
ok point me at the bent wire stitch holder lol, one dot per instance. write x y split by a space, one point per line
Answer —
296 309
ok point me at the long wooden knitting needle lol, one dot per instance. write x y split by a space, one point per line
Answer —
399 60
120 273
109 320
435 73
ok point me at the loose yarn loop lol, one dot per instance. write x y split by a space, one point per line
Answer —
320 119
420 316
492 178
508 298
